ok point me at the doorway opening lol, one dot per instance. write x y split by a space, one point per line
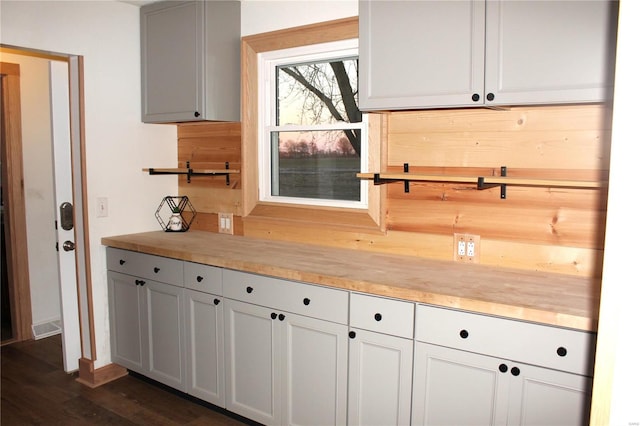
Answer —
64 94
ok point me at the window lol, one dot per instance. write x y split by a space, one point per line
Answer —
312 137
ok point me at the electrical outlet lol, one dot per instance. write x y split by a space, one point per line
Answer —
225 223
466 248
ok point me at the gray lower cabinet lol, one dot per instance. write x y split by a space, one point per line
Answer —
380 360
205 347
190 61
126 326
454 387
380 375
147 328
283 367
204 323
542 378
146 314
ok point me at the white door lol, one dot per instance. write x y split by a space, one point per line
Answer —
71 350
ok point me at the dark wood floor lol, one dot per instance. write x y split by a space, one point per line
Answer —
36 391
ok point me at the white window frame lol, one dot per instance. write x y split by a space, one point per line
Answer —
267 63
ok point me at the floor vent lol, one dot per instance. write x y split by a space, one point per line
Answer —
46 329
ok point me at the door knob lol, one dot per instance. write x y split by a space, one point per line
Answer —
68 246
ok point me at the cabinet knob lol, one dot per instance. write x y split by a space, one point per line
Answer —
156 269
199 278
281 317
377 317
475 97
561 351
274 315
216 301
196 114
122 262
352 334
503 368
249 289
464 334
490 96
306 301
515 371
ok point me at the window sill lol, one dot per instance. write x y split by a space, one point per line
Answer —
345 219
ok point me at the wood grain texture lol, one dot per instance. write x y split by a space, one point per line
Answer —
37 391
546 298
13 199
210 146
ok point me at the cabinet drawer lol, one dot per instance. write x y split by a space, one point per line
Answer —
205 278
305 299
382 315
148 266
546 346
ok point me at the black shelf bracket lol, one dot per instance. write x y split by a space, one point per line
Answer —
190 172
503 186
377 180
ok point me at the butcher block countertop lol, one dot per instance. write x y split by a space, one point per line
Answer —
552 299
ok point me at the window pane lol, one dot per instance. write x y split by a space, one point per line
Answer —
318 93
318 164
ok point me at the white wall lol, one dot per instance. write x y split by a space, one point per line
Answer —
38 186
118 145
617 357
259 16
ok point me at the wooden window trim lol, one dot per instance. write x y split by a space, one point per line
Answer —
254 209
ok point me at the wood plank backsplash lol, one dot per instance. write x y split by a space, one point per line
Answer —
534 228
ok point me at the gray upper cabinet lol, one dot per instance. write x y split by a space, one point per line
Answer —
190 61
481 53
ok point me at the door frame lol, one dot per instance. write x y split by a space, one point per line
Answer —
14 204
79 182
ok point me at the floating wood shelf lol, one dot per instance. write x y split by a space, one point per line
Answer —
482 182
193 172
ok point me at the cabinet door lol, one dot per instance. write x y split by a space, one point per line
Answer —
205 350
314 371
417 54
128 348
453 387
172 35
540 396
550 51
162 307
380 370
251 351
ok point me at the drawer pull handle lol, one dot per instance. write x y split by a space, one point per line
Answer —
249 289
216 301
306 301
562 351
378 317
464 334
122 261
274 315
140 282
199 278
503 368
352 334
281 317
156 269
515 371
